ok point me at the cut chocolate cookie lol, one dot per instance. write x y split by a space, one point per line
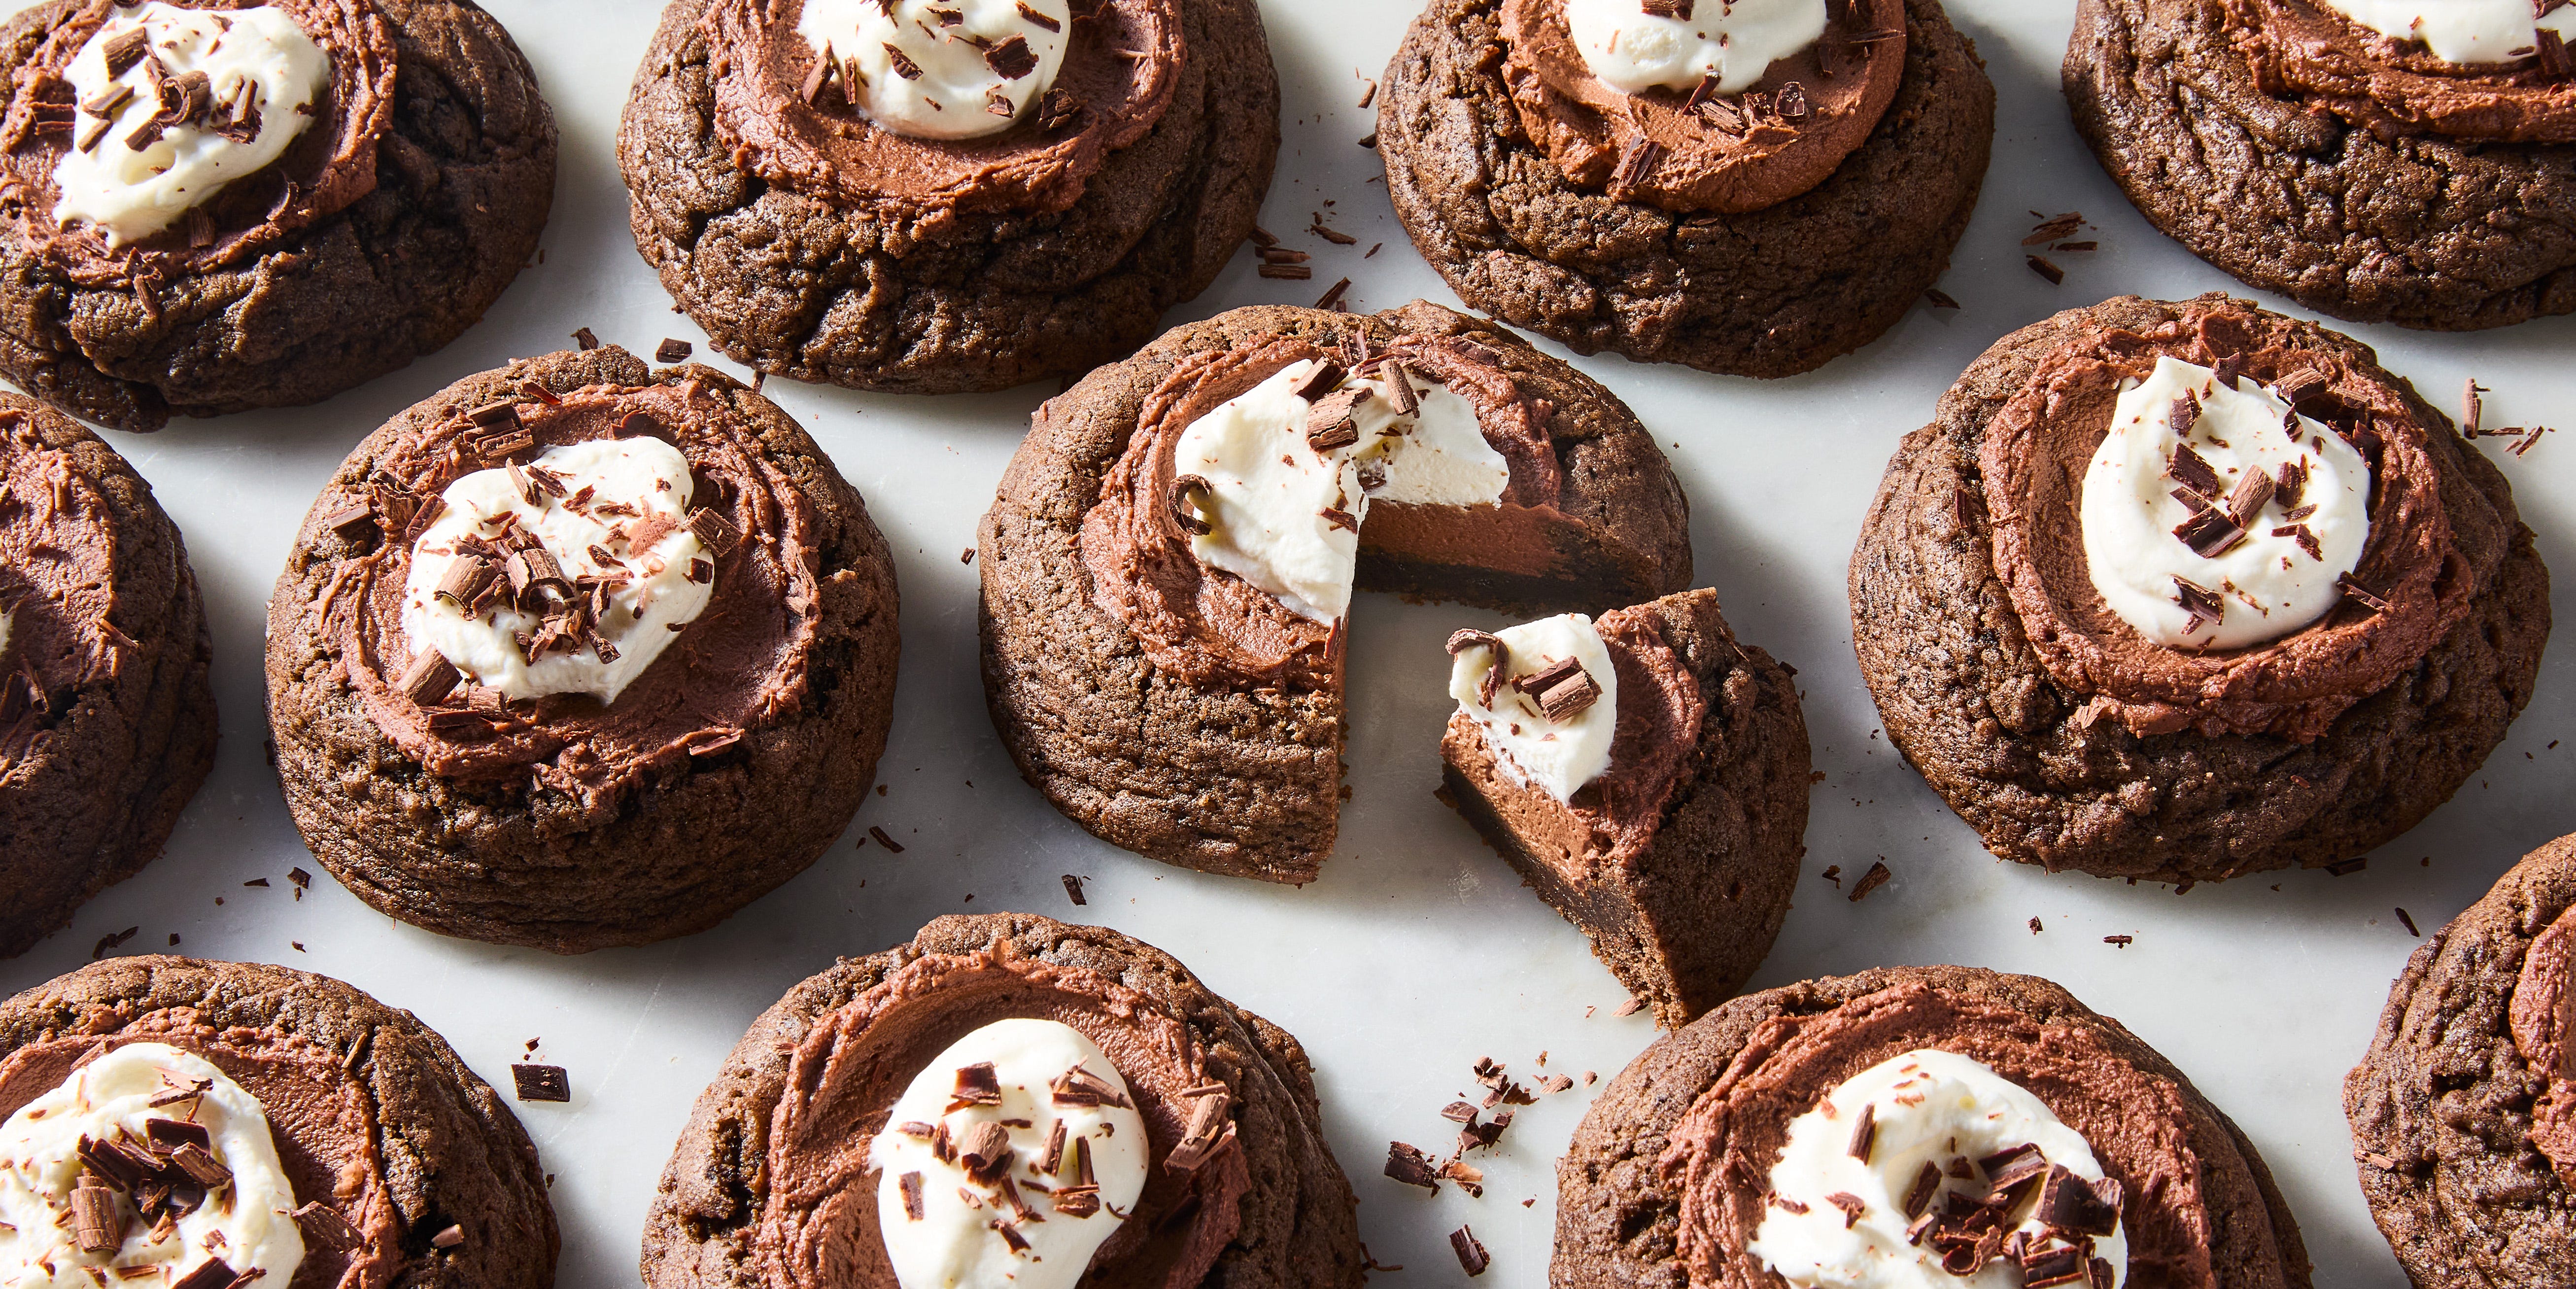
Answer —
575 653
1015 1094
1942 1115
2464 1111
1168 561
1655 793
213 207
2186 591
2362 176
107 719
838 191
1758 222
225 1123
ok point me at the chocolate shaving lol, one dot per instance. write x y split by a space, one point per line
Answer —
350 521
903 66
1210 1130
2190 470
2058 1266
2253 489
1399 385
1057 109
1183 513
125 49
1939 299
542 1082
429 679
910 1185
2053 228
2555 62
1873 879
2299 386
2347 867
97 1224
2180 416
1329 423
1285 272
2226 371
714 531
1864 1132
201 1166
1072 884
1679 10
1927 1183
2014 1166
1081 1087
1037 18
2408 921
326 1226
1321 379
1332 298
585 338
985 1153
1333 235
2290 485
2056 276
672 351
2208 533
977 1084
2199 601
2307 540
1340 518
170 1134
1472 1257
1791 103
1851 1205
1563 689
1636 163
214 1273
2361 593
2074 1206
1011 58
1407 1164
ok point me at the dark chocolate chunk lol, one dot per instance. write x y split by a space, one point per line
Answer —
327 1226
985 1152
583 337
542 1082
125 49
1927 1183
1209 1131
1011 59
1399 385
2208 533
671 351
2056 276
903 67
2062 1265
1081 1087
1073 888
1321 379
2190 470
2299 386
97 1224
351 520
200 1165
1791 103
2014 1166
2253 489
2198 600
2076 1206
1407 1164
429 679
1472 1257
714 531
977 1084
212 1273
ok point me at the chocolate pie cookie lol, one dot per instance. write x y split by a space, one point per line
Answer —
107 720
205 1124
2464 1112
208 206
1911 1125
928 198
575 653
2375 162
1006 1099
1752 188
1647 776
1170 558
2186 591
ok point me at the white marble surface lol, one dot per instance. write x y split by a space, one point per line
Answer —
1417 952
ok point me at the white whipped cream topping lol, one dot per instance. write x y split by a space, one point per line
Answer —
247 1222
957 1242
628 478
1560 757
1931 1107
258 56
2462 31
2267 586
958 50
1270 487
1632 51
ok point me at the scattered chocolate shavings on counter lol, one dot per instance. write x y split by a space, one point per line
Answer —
1470 1178
1333 298
1407 1164
303 881
542 1082
1369 141
2056 276
1471 1251
583 337
2119 941
1286 272
2530 437
968 557
1590 1078
1629 1008
2409 923
297 944
888 842
1073 888
1334 235
1833 873
1369 95
1873 879
2347 867
2076 246
1372 251
1368 1263
2053 228
113 941
2034 926
672 351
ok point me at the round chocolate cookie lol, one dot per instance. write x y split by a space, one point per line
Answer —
620 704
1185 714
2464 1111
2308 155
1682 1159
2069 738
1550 214
399 1165
381 228
107 720
771 1183
815 244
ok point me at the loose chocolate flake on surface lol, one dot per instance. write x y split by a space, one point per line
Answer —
1407 1164
2190 470
977 1085
2347 867
883 840
1873 879
1184 514
2056 276
2361 594
1471 1251
2407 921
672 351
1939 299
1864 1132
1073 888
2252 490
2120 941
542 1082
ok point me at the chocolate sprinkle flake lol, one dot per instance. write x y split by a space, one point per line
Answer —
1334 235
429 679
2198 600
819 77
2075 1206
1184 514
672 351
717 533
910 1184
2051 229
542 1082
2189 469
903 64
2361 593
1407 1164
2119 941
1873 879
1864 1132
1636 164
2208 533
1073 888
2307 540
1851 1205
2056 276
1333 296
1472 1257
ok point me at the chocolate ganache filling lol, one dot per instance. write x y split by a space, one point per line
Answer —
2431 546
1693 150
1120 69
819 1222
739 665
2304 49
2544 1031
327 168
57 563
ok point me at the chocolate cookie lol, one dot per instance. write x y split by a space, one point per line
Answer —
771 1181
379 1148
2464 1111
1716 1132
574 653
1758 231
107 720
1188 714
2066 733
814 240
379 185
1678 855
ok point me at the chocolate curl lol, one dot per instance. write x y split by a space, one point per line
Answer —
1467 638
1183 514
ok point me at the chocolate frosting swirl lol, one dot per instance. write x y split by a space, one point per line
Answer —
2544 1031
1121 64
2304 49
58 555
327 168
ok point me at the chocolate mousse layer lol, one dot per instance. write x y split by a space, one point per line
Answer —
2306 50
2544 1031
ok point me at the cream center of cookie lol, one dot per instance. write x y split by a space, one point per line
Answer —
176 103
1891 1180
940 69
2215 518
148 1163
2463 31
1007 1161
1551 710
568 575
1282 474
1636 45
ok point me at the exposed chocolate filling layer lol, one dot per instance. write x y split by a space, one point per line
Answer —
1120 67
329 166
2305 50
1680 150
2544 1030
2034 457
58 536
2138 1126
819 1223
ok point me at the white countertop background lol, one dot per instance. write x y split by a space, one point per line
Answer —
1418 951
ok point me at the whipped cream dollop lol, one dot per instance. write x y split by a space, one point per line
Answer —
2463 31
1552 710
144 1122
1290 467
2216 518
174 104
567 575
1007 1161
1637 45
940 69
1905 1164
